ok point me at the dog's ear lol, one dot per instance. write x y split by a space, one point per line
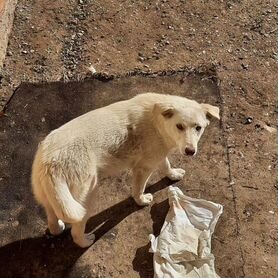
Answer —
211 110
166 110
168 113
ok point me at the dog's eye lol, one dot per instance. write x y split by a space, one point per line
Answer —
180 126
198 128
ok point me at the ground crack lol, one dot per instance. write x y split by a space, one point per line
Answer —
231 182
235 207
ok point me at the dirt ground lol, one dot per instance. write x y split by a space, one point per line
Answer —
234 40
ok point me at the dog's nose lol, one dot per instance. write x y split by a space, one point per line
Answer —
189 151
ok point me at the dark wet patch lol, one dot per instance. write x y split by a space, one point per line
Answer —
35 110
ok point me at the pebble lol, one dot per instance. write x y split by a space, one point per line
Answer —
15 223
271 212
248 213
92 69
245 66
248 120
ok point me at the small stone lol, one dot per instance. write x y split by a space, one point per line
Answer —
248 213
9 53
271 212
248 120
245 66
241 154
15 223
92 69
43 119
24 52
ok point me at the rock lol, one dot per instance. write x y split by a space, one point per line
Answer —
270 129
92 69
15 223
245 66
248 120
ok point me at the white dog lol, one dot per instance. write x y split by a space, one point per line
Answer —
135 134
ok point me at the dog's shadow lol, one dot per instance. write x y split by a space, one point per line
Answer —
49 256
143 262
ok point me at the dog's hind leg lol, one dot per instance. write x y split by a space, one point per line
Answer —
78 229
172 173
55 225
140 178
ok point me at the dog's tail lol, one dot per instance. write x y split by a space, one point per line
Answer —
64 205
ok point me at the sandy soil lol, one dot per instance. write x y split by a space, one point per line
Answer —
59 40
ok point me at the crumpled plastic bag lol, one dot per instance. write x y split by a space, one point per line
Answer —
183 248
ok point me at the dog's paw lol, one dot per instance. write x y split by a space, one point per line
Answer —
85 240
57 228
176 174
144 199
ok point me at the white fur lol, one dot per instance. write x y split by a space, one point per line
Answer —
135 134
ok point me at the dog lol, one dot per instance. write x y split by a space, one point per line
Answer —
135 134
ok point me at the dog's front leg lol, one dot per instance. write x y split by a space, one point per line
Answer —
140 178
171 173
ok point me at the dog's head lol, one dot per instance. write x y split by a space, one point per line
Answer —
183 124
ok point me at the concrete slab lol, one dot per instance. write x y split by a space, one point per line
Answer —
121 227
7 8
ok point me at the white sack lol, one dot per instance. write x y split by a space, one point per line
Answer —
183 248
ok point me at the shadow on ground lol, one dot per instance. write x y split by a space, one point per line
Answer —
49 256
121 227
143 262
